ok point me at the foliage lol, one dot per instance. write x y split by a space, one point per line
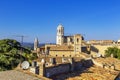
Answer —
11 55
113 51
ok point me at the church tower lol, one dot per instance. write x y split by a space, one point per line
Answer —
77 43
36 43
60 35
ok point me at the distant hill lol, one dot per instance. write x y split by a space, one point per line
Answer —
28 45
31 45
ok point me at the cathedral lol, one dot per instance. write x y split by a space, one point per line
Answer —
67 40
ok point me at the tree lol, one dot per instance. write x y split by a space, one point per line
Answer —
113 51
10 55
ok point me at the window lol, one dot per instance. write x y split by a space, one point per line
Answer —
77 40
71 40
59 31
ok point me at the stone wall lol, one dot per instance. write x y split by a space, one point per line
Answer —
67 67
54 70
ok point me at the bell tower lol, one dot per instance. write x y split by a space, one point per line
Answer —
60 35
36 43
77 43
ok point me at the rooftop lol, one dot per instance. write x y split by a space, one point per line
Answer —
109 61
96 73
16 75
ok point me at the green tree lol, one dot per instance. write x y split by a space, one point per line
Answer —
10 54
113 51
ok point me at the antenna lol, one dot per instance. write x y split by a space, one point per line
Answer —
22 37
21 51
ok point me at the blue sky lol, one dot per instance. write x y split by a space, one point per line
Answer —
95 19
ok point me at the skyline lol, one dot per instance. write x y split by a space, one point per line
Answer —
95 19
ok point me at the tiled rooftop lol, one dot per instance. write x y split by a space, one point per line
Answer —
96 73
109 61
16 75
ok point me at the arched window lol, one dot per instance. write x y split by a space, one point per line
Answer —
77 40
59 30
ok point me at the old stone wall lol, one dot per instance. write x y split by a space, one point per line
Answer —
67 67
54 70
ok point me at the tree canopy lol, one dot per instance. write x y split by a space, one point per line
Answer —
11 53
115 51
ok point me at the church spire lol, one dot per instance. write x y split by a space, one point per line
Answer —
36 43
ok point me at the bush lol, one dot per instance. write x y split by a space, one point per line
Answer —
112 51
